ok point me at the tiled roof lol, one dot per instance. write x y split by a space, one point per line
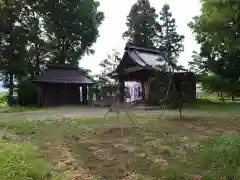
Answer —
63 74
144 56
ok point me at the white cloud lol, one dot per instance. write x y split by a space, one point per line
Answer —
115 24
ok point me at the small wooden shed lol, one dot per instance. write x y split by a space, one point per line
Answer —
62 85
144 65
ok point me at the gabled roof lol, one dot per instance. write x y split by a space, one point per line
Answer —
63 74
136 56
145 56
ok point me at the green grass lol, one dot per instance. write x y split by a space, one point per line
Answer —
222 157
210 105
19 109
157 149
21 162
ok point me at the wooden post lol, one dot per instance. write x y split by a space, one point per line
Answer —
84 94
40 96
122 90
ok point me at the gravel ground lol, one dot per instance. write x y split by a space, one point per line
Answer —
89 112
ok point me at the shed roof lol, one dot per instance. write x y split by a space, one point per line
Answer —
143 58
63 74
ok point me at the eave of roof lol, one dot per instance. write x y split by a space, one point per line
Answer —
63 74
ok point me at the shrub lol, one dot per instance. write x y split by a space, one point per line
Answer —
3 99
20 162
222 157
27 93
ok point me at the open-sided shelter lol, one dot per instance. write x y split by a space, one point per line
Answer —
146 66
62 85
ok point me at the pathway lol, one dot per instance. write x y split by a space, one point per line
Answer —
88 112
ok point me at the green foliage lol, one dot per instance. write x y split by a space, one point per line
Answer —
13 43
141 23
106 84
214 104
3 99
21 162
147 30
222 157
71 35
34 33
27 93
108 66
217 31
197 64
169 41
214 83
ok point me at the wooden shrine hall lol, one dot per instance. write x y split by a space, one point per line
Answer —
62 85
143 65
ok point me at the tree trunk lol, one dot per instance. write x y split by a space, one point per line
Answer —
11 87
223 100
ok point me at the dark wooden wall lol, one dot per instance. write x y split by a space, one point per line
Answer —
54 94
182 84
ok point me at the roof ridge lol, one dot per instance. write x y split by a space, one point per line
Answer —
131 46
67 66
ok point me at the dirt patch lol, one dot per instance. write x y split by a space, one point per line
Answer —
109 159
117 132
65 162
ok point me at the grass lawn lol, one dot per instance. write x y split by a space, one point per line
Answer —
168 148
213 105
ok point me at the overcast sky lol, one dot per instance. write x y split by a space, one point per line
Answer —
114 25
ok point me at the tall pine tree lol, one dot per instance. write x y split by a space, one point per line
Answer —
141 23
169 41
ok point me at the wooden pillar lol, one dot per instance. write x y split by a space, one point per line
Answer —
84 94
143 90
121 90
40 96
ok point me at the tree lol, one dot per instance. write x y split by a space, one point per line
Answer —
141 23
215 84
217 31
197 64
72 28
13 43
36 32
169 41
85 71
108 65
37 50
